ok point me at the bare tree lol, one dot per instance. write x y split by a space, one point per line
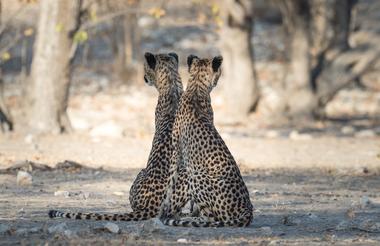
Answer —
51 67
321 60
296 18
240 87
5 118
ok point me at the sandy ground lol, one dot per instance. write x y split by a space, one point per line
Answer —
304 207
313 185
327 152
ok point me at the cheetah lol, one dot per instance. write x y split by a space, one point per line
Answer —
216 185
148 189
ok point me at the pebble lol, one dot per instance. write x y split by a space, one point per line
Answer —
272 134
59 228
111 227
118 193
85 195
23 231
111 202
364 202
347 130
365 134
295 135
4 228
153 225
343 225
313 216
29 138
24 178
62 193
182 240
266 230
68 233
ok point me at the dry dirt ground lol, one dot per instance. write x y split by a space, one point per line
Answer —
313 185
312 191
304 207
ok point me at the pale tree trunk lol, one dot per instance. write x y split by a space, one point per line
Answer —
51 67
298 97
6 123
131 37
129 48
321 61
239 86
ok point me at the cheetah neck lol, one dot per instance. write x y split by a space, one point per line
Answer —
168 100
200 99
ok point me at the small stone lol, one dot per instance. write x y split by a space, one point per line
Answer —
26 231
182 240
347 130
350 213
59 228
111 202
343 225
24 178
313 216
272 134
111 227
62 193
29 138
266 230
290 221
68 233
21 231
365 134
365 202
153 225
118 193
35 230
295 135
85 195
4 228
275 242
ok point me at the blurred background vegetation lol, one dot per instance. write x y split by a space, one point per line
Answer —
69 66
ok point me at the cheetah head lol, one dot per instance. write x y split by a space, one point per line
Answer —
208 70
156 65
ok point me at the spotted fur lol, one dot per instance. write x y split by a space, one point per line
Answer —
216 185
148 189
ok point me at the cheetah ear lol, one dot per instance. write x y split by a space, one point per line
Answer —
172 54
150 59
216 63
190 59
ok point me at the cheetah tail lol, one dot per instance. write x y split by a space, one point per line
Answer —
133 216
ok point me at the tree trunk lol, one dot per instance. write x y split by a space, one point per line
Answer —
298 91
240 88
321 61
51 67
5 118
